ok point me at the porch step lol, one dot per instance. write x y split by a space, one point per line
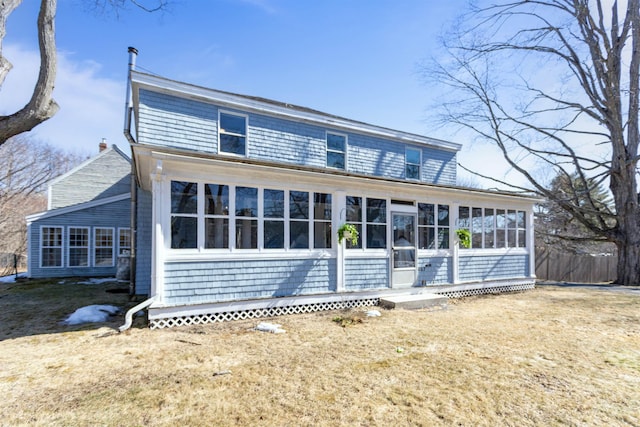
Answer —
414 301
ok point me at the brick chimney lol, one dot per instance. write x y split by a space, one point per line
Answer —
103 145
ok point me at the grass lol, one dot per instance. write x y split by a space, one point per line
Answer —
551 356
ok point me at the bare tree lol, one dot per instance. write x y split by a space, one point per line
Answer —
25 168
555 82
42 106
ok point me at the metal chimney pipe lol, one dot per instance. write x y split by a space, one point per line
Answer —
133 54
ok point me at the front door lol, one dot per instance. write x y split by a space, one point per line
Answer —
404 250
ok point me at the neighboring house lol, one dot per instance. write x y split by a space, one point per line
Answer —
87 224
241 199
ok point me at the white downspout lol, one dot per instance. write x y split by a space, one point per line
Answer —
128 318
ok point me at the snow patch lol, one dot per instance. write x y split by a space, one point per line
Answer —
274 328
91 314
12 278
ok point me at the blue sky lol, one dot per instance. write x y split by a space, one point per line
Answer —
358 59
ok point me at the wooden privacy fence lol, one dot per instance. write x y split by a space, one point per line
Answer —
563 267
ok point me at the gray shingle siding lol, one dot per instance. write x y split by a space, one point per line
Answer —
218 281
192 125
104 176
366 273
143 243
473 268
434 271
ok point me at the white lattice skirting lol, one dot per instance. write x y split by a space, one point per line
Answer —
365 301
259 312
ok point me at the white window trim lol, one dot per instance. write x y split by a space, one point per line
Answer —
62 259
419 164
246 134
328 150
88 247
113 247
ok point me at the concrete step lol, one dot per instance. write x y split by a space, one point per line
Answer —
414 301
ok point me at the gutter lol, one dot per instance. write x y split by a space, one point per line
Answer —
128 110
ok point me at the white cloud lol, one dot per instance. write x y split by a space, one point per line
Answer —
91 106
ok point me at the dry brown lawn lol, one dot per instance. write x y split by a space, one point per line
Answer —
551 356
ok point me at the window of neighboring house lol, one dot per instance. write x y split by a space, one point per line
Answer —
521 227
103 247
232 134
298 220
51 246
273 219
412 161
464 220
336 149
354 217
124 241
216 216
78 238
376 223
184 214
433 226
321 220
246 218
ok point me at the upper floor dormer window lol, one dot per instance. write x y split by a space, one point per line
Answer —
412 163
336 149
232 134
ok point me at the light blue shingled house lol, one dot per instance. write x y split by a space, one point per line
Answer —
241 199
87 222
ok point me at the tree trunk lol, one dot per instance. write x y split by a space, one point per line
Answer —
41 106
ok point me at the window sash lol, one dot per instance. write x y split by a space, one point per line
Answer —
51 239
232 133
78 240
103 247
124 240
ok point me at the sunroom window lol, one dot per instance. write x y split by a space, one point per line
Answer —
298 220
494 228
433 226
232 134
354 217
376 223
216 216
184 214
321 220
273 219
246 218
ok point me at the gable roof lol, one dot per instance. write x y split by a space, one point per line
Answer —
88 162
276 108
